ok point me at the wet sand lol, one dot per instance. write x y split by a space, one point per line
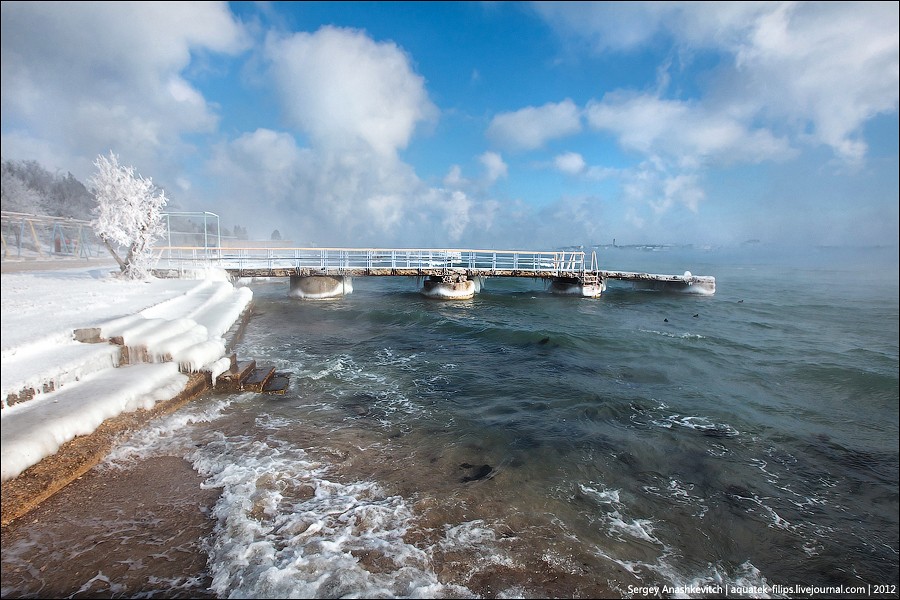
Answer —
113 533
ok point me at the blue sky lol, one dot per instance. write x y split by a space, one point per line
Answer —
495 125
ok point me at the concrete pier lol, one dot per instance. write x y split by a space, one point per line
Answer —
450 287
688 283
449 273
320 287
571 286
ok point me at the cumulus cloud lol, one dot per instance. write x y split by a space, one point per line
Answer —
340 199
532 127
79 75
606 27
685 131
655 186
833 65
494 166
313 197
357 102
570 163
345 89
454 177
815 71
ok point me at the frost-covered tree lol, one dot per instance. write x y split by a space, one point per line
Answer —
17 196
128 214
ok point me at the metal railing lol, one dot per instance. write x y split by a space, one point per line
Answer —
44 237
192 228
339 261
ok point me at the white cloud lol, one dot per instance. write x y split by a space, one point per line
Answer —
834 65
358 102
494 166
570 163
454 177
606 27
815 71
532 127
323 198
345 89
686 132
263 164
652 185
83 78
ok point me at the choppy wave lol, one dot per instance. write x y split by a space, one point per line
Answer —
284 529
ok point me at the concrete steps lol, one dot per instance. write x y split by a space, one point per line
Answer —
249 377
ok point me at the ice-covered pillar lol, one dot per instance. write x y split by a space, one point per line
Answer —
318 287
572 286
450 287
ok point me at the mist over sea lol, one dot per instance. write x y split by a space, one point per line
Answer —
521 444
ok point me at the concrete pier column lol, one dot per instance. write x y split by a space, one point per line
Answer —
449 287
702 285
318 287
571 286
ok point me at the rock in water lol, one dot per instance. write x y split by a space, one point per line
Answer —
476 473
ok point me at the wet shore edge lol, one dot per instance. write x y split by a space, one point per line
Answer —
25 492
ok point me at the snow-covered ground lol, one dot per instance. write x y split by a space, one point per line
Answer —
172 323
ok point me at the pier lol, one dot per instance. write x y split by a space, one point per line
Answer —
447 273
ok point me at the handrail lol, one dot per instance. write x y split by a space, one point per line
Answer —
340 260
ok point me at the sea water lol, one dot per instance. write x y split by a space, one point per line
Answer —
521 444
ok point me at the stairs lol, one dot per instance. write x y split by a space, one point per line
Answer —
248 376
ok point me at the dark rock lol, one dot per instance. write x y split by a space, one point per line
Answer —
476 473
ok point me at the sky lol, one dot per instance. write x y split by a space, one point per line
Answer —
177 321
495 125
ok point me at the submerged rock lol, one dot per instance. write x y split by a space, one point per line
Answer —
476 473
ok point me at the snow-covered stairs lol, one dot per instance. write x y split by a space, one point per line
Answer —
63 388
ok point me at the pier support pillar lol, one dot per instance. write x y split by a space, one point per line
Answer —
686 284
571 286
450 287
318 287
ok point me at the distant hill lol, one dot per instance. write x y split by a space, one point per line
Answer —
27 187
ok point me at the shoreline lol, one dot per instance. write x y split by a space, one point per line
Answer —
37 483
22 494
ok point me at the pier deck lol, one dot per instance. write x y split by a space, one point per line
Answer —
367 262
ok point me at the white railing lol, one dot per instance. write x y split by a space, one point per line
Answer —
342 260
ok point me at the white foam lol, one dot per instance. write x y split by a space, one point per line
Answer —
615 518
702 424
679 493
602 496
167 435
680 336
774 518
285 530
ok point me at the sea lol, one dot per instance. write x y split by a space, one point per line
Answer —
518 445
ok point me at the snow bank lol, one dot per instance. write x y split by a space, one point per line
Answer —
36 429
171 324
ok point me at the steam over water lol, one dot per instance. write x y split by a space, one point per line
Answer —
521 445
